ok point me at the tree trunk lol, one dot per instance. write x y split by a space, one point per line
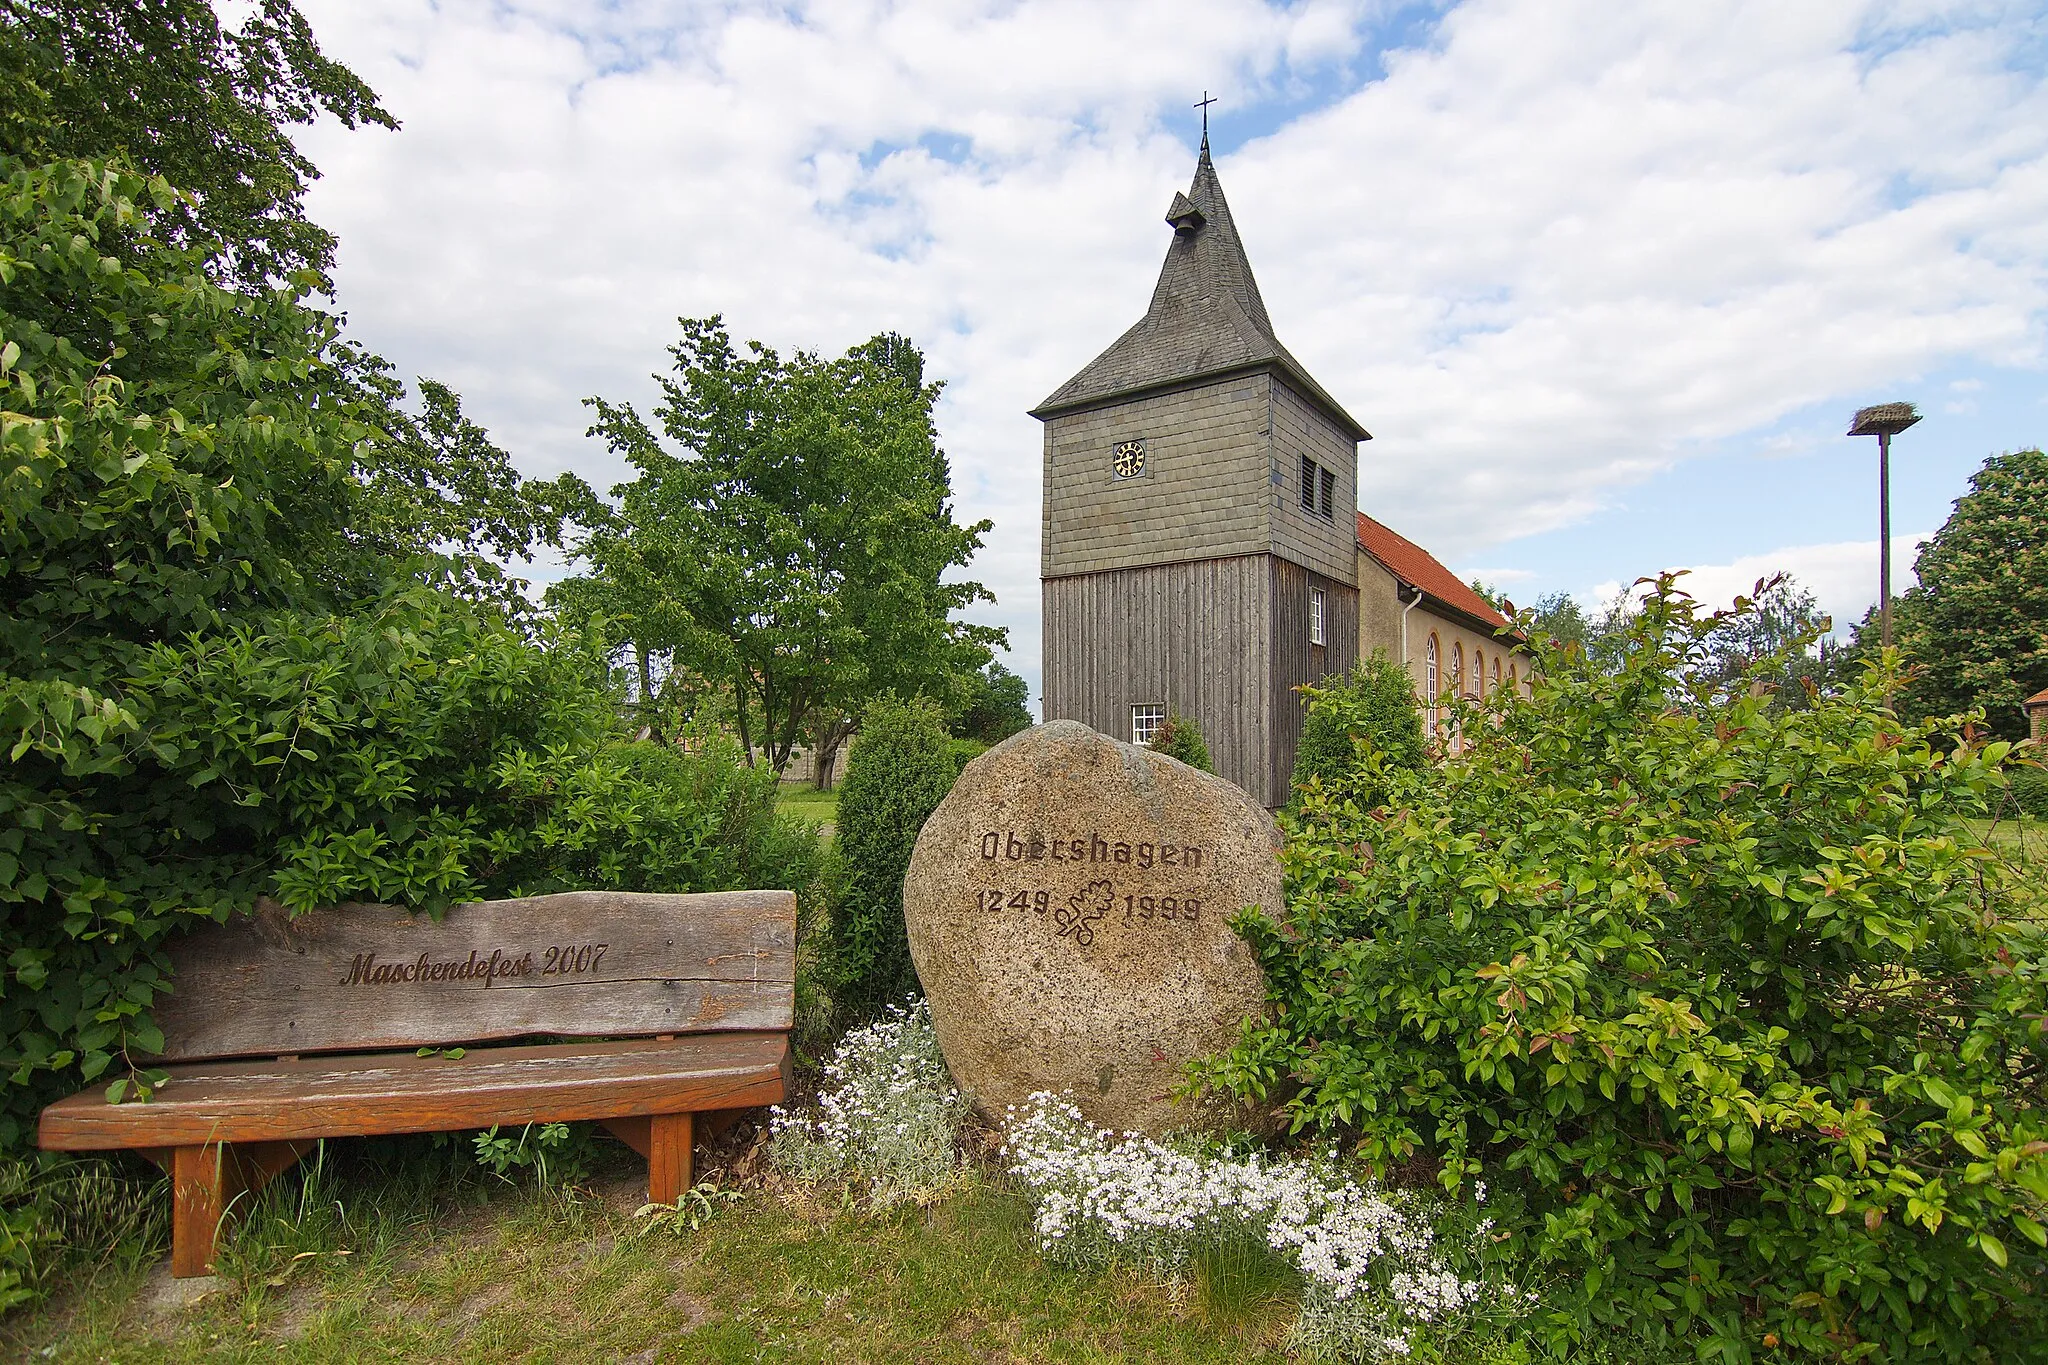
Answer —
826 756
650 712
739 706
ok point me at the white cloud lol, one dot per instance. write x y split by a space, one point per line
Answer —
1548 254
1842 576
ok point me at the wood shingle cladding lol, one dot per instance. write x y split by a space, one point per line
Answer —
1192 585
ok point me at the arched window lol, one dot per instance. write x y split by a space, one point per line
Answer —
1429 681
1457 687
1514 676
1496 672
1478 673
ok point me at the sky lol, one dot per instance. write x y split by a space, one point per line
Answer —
1606 282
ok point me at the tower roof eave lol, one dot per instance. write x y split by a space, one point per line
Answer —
1061 401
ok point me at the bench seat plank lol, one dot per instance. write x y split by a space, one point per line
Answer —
358 1096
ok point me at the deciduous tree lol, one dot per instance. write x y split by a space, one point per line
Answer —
990 705
788 533
165 86
1774 640
1975 629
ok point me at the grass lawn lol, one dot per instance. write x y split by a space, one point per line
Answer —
2021 849
408 1268
803 800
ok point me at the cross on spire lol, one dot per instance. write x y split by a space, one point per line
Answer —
1203 105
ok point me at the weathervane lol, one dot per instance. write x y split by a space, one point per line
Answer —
1203 105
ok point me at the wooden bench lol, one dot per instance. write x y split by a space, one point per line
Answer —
327 1012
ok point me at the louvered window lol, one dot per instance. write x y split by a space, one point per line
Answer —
1318 488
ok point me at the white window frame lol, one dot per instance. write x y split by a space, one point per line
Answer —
1315 617
1147 720
1429 686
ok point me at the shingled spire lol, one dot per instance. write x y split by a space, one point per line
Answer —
1206 316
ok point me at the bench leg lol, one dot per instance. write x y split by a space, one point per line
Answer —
206 1182
200 1194
669 1139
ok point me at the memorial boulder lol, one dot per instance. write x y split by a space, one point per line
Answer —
1068 906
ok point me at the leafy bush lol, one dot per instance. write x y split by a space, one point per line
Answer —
1370 710
964 752
2029 782
898 773
1181 738
423 753
1715 990
221 672
889 1119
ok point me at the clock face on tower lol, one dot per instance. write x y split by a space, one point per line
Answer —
1128 459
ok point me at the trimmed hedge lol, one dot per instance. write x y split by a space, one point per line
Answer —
897 775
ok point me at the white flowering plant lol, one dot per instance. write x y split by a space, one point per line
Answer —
1377 1265
888 1120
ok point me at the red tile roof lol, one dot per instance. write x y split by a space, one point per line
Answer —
1418 568
2038 699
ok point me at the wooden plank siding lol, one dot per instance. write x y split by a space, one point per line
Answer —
1195 636
1297 661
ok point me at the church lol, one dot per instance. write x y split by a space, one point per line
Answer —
1202 551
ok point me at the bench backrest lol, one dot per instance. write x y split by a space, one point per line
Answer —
581 964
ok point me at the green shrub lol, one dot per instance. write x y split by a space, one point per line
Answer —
2029 782
964 752
1181 738
899 772
222 670
1716 994
422 754
1369 711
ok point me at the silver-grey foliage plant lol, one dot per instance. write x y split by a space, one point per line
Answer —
888 1122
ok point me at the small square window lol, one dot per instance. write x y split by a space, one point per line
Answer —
1327 495
1146 722
1308 484
1315 616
